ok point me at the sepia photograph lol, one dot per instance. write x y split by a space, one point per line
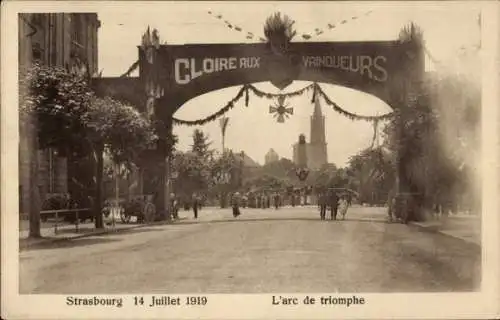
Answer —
313 153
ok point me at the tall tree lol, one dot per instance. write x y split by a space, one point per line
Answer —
438 140
201 144
71 119
50 99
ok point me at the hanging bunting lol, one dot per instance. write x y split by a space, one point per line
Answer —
246 96
375 133
348 114
214 116
330 26
314 94
280 109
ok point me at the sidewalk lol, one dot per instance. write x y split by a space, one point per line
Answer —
69 231
460 226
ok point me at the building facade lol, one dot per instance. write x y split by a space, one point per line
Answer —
316 150
65 40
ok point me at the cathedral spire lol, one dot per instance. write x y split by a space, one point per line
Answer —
317 154
317 108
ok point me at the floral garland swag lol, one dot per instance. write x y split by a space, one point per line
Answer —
247 88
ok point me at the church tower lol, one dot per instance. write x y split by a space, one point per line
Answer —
317 155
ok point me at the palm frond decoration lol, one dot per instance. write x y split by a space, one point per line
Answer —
279 27
412 34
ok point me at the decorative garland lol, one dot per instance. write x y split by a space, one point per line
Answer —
350 115
214 116
317 90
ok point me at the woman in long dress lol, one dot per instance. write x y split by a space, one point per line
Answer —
343 206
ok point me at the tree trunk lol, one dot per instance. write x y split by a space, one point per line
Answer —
99 168
34 208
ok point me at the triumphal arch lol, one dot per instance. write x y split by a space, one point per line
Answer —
171 75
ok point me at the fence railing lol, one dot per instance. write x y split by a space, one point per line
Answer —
64 212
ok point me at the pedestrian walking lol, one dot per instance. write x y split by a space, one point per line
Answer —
235 204
334 204
343 206
196 203
322 201
276 201
174 208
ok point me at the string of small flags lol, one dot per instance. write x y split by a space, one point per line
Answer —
245 89
249 35
331 26
318 31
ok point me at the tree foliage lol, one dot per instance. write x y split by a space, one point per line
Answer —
70 118
201 145
439 134
371 174
69 115
121 129
58 102
194 169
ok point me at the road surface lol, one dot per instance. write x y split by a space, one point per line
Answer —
262 251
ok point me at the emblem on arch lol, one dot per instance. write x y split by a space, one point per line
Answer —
281 63
281 110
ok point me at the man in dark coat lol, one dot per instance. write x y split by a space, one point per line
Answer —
276 199
322 202
235 204
196 203
334 204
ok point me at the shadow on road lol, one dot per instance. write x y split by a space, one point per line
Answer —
55 243
25 245
127 231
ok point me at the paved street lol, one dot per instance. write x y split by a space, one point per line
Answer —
285 250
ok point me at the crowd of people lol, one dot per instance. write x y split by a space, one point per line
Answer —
337 203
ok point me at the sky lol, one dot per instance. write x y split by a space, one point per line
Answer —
451 32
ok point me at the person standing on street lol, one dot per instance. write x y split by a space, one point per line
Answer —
235 204
322 201
174 206
196 203
334 204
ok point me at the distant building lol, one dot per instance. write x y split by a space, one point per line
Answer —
314 153
65 40
247 161
271 156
